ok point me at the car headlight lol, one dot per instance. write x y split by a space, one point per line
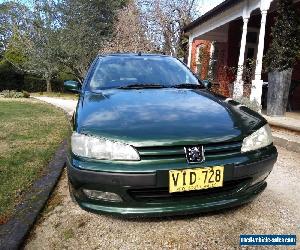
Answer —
102 149
259 139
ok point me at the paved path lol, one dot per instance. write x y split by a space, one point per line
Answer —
284 122
68 105
290 121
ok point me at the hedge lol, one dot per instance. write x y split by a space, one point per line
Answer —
13 80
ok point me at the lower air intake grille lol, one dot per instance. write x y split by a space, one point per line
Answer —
162 194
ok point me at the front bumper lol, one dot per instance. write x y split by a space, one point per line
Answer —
145 193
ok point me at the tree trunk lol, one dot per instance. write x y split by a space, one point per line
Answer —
278 92
49 87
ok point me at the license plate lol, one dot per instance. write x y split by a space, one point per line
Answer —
195 179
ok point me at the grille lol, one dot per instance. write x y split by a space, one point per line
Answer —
162 194
177 152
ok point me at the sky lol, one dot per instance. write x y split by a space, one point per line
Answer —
204 5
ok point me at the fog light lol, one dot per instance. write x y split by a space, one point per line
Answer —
100 195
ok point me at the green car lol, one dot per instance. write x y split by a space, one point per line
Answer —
150 139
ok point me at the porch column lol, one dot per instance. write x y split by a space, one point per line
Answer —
211 60
256 88
190 52
238 84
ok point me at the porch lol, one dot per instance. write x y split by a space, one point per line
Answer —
291 121
227 45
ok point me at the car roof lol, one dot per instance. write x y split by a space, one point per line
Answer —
134 55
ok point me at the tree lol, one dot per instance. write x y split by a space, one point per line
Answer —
60 34
36 42
282 56
129 32
12 15
165 22
85 28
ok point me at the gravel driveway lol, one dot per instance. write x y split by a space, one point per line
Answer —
67 105
64 225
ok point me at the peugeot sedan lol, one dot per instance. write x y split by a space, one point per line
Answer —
150 138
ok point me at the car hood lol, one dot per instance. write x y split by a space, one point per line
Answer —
151 117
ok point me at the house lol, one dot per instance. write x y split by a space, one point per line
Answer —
227 45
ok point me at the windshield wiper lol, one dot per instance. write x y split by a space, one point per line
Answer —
156 85
188 86
142 86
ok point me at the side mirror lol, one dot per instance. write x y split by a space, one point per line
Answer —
72 86
207 84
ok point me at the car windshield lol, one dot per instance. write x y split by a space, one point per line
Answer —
141 72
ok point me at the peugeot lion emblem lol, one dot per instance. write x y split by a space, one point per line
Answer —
194 154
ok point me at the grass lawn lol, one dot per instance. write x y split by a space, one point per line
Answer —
30 133
72 96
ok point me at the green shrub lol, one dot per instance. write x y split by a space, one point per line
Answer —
36 84
14 94
248 103
9 78
285 46
26 94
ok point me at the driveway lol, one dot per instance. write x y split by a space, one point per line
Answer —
68 105
64 225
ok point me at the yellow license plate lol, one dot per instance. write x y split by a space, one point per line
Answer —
195 179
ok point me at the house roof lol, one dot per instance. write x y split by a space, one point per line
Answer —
213 12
